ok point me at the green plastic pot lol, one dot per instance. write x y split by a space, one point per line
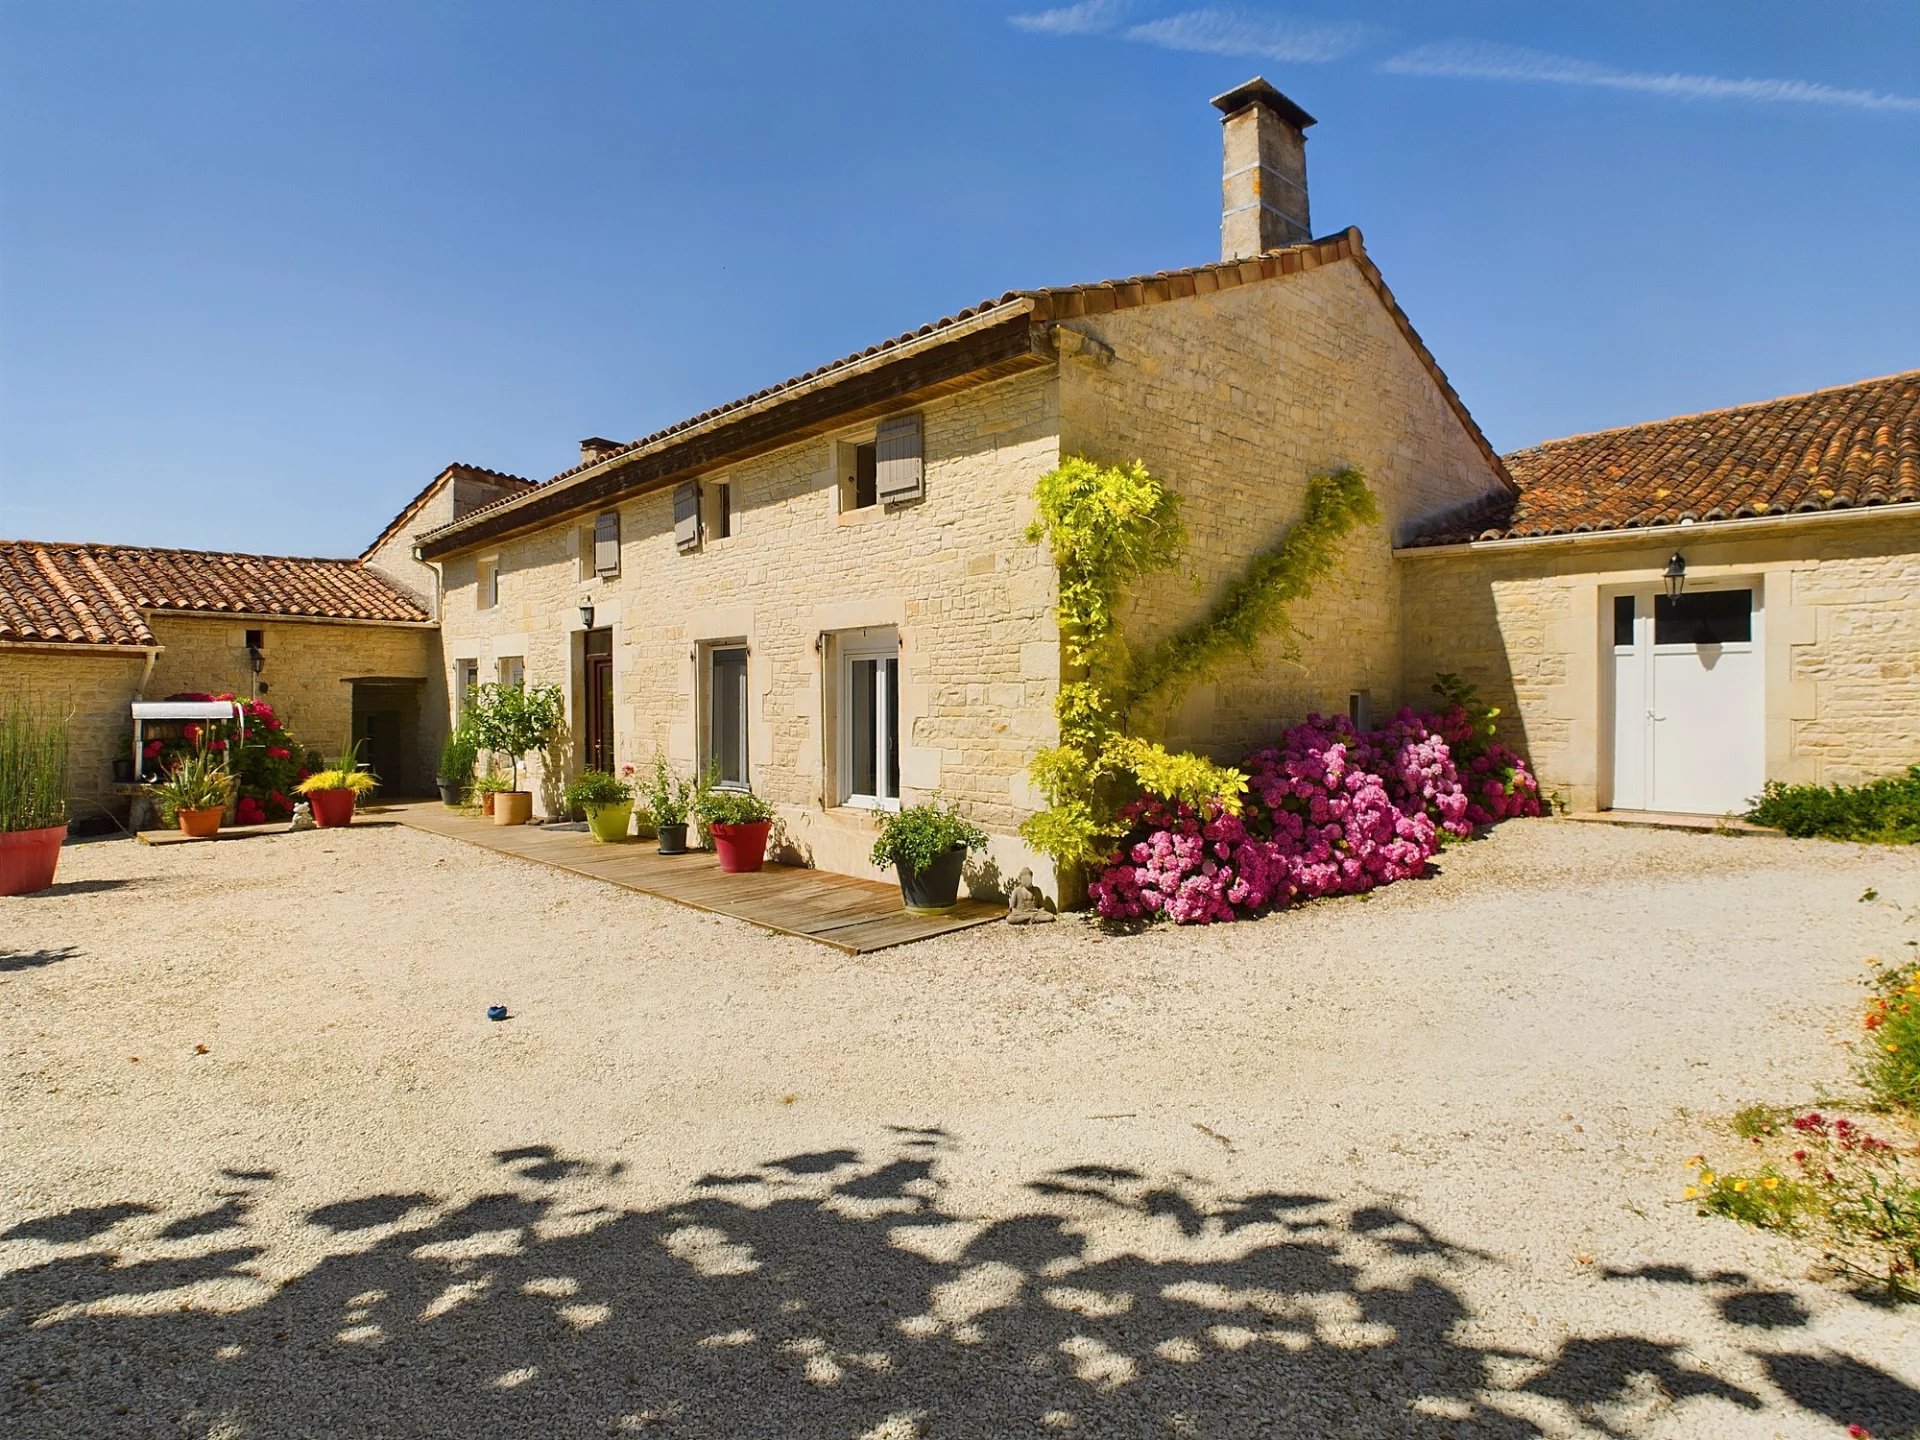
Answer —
609 822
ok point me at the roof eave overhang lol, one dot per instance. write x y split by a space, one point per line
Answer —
122 648
1668 532
269 617
999 342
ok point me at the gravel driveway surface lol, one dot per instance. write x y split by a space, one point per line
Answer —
1407 1165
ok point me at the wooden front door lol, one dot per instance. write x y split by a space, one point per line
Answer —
599 736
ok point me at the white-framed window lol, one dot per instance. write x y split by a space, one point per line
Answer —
466 679
868 666
1360 709
487 584
512 669
726 717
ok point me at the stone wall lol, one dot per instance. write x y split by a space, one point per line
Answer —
1840 629
1234 400
971 600
308 665
92 690
446 500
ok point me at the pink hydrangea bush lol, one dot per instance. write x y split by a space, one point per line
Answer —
1329 810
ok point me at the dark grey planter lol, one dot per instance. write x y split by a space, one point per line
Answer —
673 839
936 889
450 791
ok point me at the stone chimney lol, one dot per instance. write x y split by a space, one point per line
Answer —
594 449
1263 188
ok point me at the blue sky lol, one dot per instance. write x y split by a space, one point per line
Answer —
267 266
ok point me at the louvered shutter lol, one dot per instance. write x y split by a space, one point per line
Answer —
606 544
899 468
686 516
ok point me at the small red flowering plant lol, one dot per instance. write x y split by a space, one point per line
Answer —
265 766
1852 1193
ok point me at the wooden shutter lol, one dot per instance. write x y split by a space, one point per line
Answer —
606 544
686 515
900 469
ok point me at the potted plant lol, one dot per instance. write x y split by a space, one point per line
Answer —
927 847
738 821
33 799
457 759
487 789
643 825
670 799
607 801
514 720
194 793
333 791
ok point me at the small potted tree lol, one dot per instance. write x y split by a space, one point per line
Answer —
606 801
334 790
927 847
194 793
670 800
457 759
33 799
514 721
738 821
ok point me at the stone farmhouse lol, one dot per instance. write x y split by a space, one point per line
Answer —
823 590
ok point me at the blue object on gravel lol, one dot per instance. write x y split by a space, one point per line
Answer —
496 1012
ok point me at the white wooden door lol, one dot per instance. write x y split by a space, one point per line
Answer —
1689 716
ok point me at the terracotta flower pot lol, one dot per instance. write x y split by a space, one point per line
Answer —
201 824
331 808
28 858
486 801
742 848
513 807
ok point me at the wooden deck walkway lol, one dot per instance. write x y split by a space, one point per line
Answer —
843 911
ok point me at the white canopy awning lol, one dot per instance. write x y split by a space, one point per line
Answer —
185 709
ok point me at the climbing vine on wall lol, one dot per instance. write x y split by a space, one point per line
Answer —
1108 526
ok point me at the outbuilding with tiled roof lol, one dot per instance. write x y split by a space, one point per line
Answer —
340 650
1676 612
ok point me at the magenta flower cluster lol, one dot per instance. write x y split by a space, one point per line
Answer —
1329 810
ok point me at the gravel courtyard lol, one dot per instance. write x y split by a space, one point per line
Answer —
1403 1165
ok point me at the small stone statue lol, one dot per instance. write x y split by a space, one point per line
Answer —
1024 905
302 816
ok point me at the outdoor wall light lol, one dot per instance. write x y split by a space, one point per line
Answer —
257 658
586 614
1676 575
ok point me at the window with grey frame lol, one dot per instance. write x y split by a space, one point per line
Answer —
727 715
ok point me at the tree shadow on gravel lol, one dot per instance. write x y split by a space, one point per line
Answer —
826 1294
34 959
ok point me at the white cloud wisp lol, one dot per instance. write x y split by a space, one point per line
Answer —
1471 60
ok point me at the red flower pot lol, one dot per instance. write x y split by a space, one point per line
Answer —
331 808
742 848
28 857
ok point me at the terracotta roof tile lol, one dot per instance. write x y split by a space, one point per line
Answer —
1838 449
1043 306
57 594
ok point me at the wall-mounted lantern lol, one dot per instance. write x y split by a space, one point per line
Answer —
1676 574
586 614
